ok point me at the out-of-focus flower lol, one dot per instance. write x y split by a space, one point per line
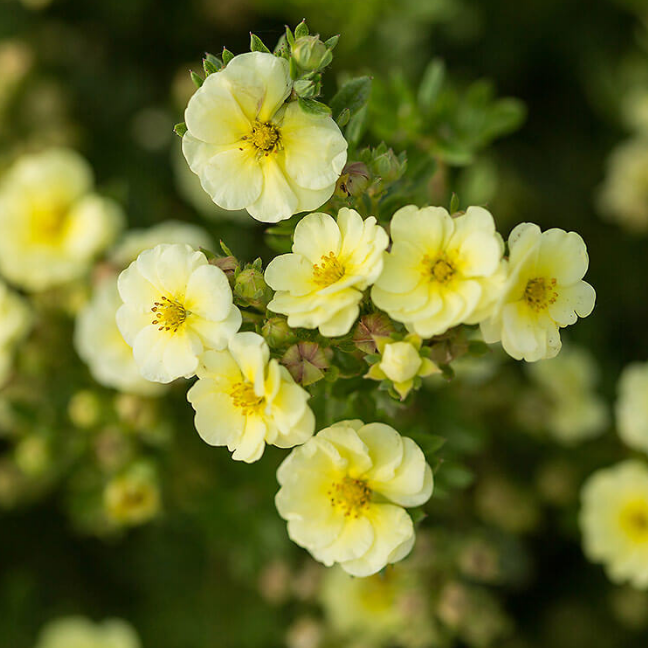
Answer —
441 271
306 632
84 409
343 494
135 241
176 306
15 324
102 347
632 406
624 195
320 284
133 497
52 224
380 610
251 150
544 292
614 521
79 632
575 411
244 400
401 363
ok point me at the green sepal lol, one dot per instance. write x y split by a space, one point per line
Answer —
227 56
301 29
197 79
257 45
289 36
454 203
332 42
180 129
313 107
343 117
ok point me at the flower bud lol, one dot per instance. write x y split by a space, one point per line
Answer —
228 264
306 88
370 330
250 288
133 497
400 361
388 166
306 362
354 180
310 53
277 333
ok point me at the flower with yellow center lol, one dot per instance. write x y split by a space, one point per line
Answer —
544 292
52 225
441 271
133 497
102 347
176 306
632 406
244 400
253 151
614 521
344 491
320 284
79 632
401 363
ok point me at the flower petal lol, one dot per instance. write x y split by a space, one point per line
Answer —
276 201
316 235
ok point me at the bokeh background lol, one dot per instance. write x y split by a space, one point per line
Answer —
500 560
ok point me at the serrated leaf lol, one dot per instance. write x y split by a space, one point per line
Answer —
180 129
301 29
227 56
257 45
431 84
353 95
197 79
313 107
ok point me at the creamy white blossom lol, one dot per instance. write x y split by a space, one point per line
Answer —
320 284
176 306
252 150
632 406
52 225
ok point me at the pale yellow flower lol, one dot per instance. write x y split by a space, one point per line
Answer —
133 497
632 406
52 225
544 292
135 241
575 411
79 632
441 271
614 521
244 400
252 150
343 494
401 363
320 284
176 306
102 347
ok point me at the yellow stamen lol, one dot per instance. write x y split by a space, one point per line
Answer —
48 223
265 137
350 496
439 269
328 271
539 293
170 314
634 520
244 397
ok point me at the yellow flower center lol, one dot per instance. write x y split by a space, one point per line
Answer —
350 496
265 137
48 223
244 397
634 520
170 314
439 269
328 270
539 293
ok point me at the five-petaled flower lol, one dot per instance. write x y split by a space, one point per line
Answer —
252 150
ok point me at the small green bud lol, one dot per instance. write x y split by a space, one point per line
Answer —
388 166
277 333
250 288
354 180
311 54
306 88
306 362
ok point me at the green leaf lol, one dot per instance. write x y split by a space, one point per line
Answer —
343 117
226 249
417 514
431 84
352 95
313 107
301 29
478 348
257 45
227 56
455 474
356 127
180 129
198 80
454 203
332 42
429 443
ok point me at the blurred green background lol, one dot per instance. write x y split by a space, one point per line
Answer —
111 79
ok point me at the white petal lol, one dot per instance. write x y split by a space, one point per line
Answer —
252 443
181 354
385 447
251 354
572 301
208 293
148 351
277 201
316 235
291 272
135 290
175 265
217 421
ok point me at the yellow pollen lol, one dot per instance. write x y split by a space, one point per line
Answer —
634 520
328 270
170 314
244 397
440 269
539 293
265 137
350 496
